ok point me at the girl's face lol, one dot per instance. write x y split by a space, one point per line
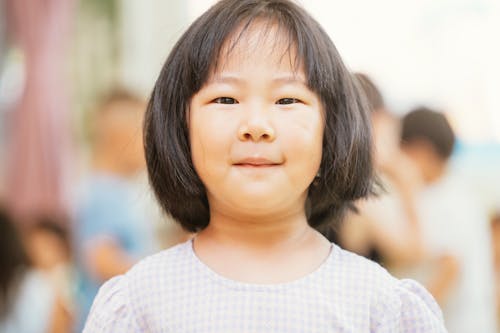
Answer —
256 130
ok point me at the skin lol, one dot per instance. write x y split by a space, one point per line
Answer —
256 134
426 159
62 320
45 249
118 146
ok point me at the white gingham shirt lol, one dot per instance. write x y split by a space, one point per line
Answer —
173 291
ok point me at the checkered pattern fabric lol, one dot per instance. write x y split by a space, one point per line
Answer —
173 291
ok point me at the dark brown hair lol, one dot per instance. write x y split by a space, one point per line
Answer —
430 125
13 261
346 167
369 89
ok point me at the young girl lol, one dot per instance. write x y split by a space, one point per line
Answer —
255 135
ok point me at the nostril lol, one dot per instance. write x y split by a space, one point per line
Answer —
255 133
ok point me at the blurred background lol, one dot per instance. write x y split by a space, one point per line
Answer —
74 81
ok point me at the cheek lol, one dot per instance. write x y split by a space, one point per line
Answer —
304 152
209 140
198 147
304 145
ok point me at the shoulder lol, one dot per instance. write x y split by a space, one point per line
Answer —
112 310
126 302
163 264
394 305
357 270
407 306
358 277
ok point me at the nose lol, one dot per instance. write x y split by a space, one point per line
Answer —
256 127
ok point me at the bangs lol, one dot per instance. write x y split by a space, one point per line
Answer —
254 34
293 36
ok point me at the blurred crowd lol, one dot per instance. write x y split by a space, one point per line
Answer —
53 265
427 221
432 219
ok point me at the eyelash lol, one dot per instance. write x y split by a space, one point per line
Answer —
290 100
220 100
230 100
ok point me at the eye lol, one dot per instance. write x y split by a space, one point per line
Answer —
225 100
288 100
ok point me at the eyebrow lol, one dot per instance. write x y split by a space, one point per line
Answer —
284 79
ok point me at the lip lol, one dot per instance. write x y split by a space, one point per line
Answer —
256 162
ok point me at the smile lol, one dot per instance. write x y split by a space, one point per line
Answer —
253 162
256 165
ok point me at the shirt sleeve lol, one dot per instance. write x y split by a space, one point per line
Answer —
410 309
111 310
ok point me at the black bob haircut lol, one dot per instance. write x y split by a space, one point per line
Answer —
346 172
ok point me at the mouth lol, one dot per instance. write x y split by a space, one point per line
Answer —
256 163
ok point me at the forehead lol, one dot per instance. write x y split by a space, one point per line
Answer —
260 42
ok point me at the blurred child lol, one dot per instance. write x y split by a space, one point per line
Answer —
49 249
28 302
255 135
385 228
454 226
112 229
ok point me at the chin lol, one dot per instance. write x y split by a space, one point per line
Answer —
261 203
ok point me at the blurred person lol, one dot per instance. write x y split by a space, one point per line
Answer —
49 248
112 231
454 226
28 302
385 228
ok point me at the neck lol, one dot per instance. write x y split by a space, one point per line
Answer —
274 249
257 231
